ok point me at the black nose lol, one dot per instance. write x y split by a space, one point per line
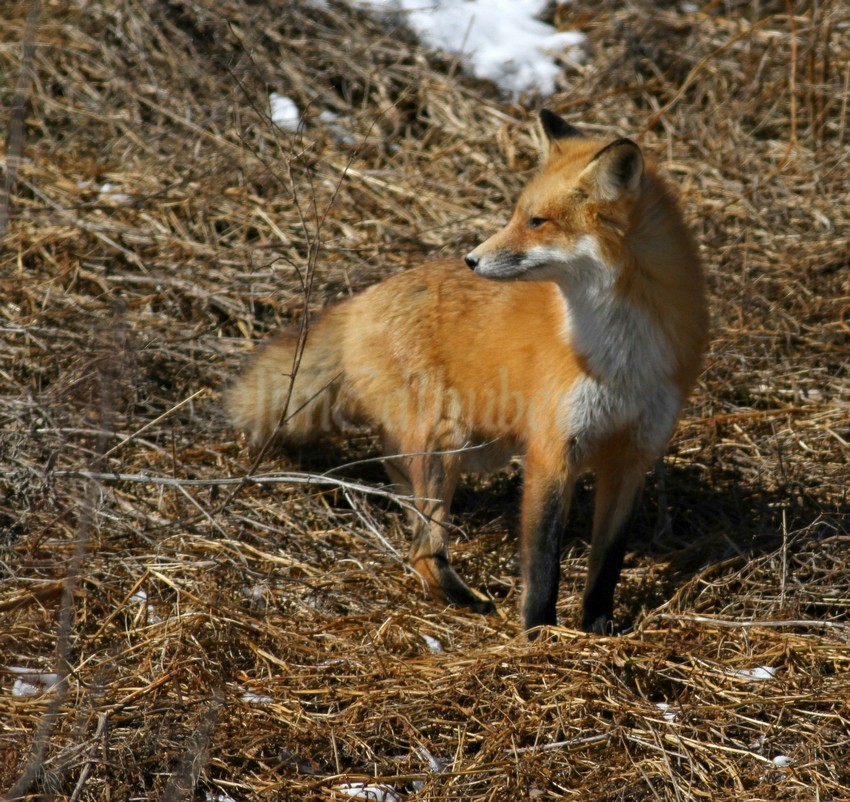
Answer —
471 261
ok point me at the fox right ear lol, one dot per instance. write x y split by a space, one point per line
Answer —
557 129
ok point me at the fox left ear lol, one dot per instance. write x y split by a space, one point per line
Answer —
615 171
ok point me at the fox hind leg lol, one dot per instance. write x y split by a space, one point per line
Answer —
433 479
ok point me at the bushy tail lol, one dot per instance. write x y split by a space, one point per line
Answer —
261 403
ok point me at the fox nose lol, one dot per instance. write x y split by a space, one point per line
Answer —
471 260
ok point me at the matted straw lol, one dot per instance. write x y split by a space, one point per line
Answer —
270 643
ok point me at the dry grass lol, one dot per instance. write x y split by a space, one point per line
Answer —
122 315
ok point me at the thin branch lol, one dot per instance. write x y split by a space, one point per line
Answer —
15 132
290 478
156 420
727 623
65 627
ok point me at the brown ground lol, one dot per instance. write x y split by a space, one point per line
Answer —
122 316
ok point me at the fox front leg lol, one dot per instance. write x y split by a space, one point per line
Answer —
617 486
547 493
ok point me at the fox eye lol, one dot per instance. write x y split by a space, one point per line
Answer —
536 222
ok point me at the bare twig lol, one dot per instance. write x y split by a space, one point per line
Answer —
15 131
65 627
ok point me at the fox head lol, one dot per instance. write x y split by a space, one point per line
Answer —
571 221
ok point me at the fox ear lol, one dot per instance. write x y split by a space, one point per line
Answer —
615 171
556 127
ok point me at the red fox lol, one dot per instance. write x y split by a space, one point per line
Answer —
574 338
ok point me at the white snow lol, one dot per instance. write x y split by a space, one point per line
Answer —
31 682
436 765
255 593
21 688
256 698
761 672
141 597
219 797
284 112
112 192
502 40
375 793
337 131
433 644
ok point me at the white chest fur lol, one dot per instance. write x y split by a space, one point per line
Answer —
628 387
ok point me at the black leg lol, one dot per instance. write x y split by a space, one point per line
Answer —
598 606
541 553
616 488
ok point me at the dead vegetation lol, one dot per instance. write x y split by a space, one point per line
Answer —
269 643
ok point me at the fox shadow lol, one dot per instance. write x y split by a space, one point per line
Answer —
690 520
687 519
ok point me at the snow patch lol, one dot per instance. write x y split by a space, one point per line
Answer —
31 682
284 112
759 673
434 763
337 131
375 793
502 40
256 698
112 192
219 797
141 597
256 593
